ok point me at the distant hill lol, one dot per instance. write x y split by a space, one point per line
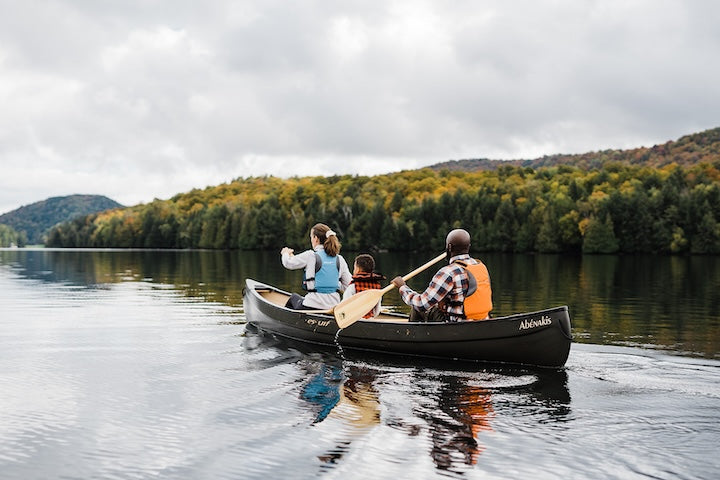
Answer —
686 151
35 219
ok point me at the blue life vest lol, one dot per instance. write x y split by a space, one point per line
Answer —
327 273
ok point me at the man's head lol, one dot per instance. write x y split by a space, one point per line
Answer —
457 242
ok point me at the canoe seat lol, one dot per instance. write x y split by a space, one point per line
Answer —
273 296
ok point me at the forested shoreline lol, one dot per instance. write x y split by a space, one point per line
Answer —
616 208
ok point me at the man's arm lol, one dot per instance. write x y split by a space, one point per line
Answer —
438 288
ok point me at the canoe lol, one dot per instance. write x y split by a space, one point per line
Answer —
539 338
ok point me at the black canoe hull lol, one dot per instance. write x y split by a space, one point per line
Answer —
540 338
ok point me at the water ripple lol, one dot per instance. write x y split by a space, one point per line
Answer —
139 380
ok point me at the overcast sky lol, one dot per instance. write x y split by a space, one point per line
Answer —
143 99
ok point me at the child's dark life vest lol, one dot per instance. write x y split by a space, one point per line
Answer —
478 298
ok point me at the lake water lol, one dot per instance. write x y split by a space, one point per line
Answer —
140 364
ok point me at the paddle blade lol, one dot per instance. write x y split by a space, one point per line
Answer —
354 308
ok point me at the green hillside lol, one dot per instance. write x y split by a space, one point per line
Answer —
35 219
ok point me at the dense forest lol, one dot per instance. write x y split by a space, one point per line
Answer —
35 219
613 208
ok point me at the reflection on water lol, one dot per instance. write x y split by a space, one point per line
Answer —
208 274
448 403
345 393
660 302
120 364
456 413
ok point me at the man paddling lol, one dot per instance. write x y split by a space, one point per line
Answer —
458 291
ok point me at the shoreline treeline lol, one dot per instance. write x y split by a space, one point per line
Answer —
10 237
615 208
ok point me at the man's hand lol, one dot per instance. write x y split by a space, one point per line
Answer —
398 282
287 250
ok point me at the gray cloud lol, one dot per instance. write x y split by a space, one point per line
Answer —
137 99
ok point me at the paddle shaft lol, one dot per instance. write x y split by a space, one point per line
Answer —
416 271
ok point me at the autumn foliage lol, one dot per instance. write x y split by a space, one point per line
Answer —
599 207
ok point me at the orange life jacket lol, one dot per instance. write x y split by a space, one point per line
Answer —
478 298
367 281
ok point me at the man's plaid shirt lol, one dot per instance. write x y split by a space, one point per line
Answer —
449 284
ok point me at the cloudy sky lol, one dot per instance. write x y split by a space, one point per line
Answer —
142 99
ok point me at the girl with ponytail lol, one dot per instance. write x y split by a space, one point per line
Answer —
326 272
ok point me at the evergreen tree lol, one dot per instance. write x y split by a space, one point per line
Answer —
404 238
506 227
548 238
525 238
707 238
569 232
270 226
632 221
421 235
599 236
389 234
248 238
396 202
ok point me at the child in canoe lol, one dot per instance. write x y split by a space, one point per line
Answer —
364 278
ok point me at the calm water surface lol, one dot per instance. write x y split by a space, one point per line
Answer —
128 364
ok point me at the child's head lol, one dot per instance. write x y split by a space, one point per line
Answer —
364 263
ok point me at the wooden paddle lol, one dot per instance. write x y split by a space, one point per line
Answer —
353 308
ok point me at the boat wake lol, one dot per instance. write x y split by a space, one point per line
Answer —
644 369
